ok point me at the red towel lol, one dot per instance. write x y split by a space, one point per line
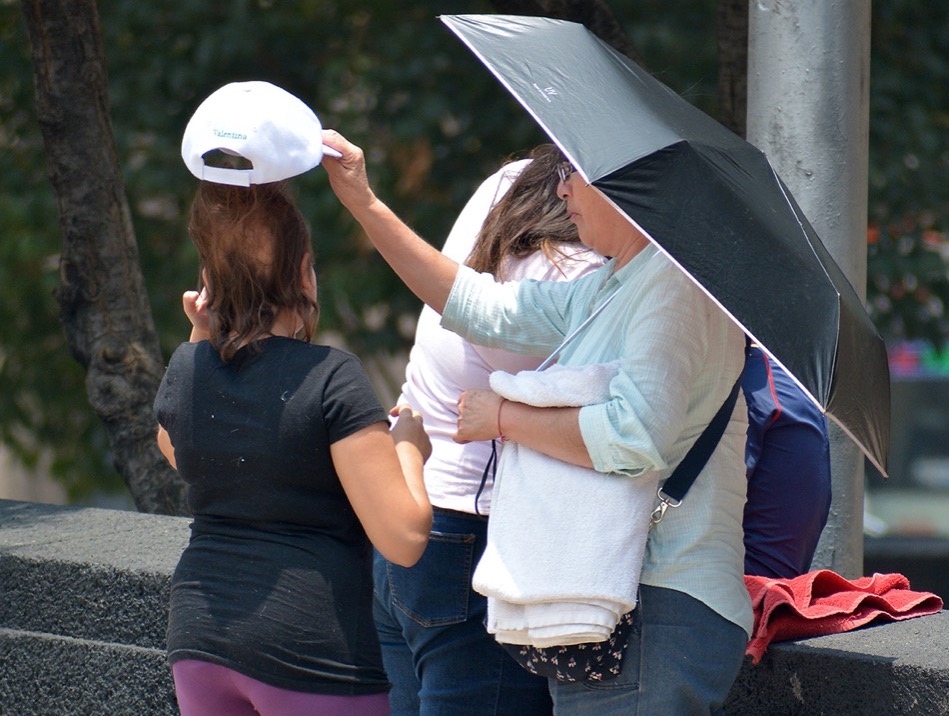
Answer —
823 602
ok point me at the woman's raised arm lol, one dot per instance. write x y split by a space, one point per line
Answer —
427 272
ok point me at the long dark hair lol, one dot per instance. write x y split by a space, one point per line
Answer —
529 217
251 243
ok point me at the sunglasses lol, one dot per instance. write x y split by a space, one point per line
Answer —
564 171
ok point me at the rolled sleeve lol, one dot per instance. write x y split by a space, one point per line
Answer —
610 450
666 388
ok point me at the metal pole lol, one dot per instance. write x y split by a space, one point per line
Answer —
808 110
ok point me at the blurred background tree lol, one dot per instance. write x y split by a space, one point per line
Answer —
908 234
433 122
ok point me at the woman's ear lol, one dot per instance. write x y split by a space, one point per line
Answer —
308 274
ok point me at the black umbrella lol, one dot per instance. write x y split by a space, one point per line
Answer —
708 199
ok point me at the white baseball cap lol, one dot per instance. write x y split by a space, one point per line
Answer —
266 125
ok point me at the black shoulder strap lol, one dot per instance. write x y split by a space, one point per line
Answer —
688 469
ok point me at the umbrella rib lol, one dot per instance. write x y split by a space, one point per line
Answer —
876 463
797 217
865 451
780 185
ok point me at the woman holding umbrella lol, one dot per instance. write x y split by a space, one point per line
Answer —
679 356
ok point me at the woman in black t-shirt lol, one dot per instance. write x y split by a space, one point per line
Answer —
293 476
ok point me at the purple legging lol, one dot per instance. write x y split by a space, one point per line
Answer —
206 689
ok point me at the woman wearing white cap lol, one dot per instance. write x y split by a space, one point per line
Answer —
293 474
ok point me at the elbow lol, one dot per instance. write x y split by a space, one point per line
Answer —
406 556
165 446
411 546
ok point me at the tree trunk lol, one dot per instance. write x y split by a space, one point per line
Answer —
732 31
104 308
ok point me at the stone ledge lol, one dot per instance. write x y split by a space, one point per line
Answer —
88 573
61 676
890 668
83 603
117 539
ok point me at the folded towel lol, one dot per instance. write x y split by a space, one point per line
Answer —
822 602
565 543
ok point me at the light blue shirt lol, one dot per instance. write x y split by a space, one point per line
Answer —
680 356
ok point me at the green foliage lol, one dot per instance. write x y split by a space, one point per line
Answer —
909 163
388 75
678 46
432 121
908 289
908 281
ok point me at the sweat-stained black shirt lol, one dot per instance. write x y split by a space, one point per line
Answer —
276 582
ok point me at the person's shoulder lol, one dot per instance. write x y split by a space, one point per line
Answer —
652 273
190 358
329 356
577 260
566 262
186 352
310 352
653 262
192 346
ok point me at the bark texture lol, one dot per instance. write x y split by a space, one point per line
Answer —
732 32
104 307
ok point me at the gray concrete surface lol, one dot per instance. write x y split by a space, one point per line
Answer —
895 668
83 605
49 675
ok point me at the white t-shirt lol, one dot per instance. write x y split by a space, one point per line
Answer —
442 365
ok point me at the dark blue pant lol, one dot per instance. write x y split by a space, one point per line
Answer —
787 460
439 657
682 660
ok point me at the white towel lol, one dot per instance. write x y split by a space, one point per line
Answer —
565 543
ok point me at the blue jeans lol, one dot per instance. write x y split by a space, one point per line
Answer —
435 649
681 660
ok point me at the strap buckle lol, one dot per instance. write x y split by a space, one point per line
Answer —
665 502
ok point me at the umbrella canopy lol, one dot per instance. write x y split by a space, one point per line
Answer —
710 200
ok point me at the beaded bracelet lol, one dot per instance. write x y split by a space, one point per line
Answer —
501 432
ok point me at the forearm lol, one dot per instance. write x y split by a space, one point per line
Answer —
413 469
427 272
551 431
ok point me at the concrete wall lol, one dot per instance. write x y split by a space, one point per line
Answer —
83 604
